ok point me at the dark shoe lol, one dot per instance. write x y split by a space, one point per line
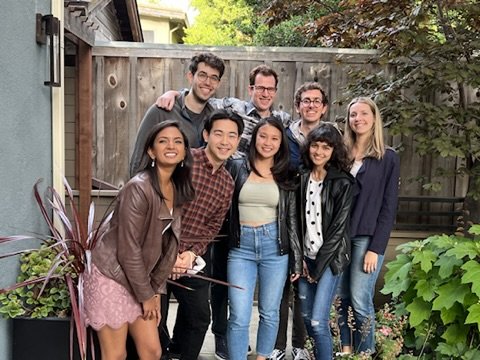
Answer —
249 351
174 351
221 349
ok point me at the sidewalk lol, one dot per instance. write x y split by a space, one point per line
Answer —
208 349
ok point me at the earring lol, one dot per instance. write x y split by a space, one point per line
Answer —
153 162
181 164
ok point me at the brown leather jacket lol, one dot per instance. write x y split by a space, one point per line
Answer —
140 248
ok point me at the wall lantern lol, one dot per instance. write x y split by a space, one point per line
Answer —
48 32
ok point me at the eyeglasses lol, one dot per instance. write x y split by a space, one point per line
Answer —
261 89
316 102
203 76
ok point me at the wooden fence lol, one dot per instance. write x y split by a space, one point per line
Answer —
128 77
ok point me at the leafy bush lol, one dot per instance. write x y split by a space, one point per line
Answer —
37 300
437 283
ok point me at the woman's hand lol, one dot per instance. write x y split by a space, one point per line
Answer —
370 262
151 309
294 277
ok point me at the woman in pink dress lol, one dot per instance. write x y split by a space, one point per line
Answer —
132 262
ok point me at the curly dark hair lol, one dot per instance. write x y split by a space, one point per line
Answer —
327 132
309 86
208 58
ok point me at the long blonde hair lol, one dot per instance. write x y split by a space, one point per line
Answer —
376 145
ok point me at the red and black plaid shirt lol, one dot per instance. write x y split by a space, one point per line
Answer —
203 217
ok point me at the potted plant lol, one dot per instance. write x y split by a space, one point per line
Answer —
50 280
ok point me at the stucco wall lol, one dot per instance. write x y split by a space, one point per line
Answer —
25 131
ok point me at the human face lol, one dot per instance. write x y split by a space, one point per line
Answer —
312 113
168 148
204 82
268 141
361 119
320 153
262 93
222 141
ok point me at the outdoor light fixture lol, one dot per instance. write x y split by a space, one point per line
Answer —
48 32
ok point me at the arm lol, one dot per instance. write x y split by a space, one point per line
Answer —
167 99
388 211
131 212
296 250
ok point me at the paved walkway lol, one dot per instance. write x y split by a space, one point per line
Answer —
208 349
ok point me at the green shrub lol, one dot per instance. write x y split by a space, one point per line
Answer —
437 284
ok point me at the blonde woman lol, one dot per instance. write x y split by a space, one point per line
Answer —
376 169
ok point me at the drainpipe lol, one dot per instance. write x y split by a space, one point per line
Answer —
171 33
58 110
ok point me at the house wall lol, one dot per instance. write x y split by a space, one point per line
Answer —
25 132
160 28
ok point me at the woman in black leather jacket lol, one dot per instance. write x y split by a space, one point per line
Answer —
263 231
324 199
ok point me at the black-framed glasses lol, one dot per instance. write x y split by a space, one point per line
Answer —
260 89
316 102
203 76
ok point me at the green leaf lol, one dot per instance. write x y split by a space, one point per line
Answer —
396 277
425 290
472 275
449 315
474 229
462 249
426 258
456 334
446 265
473 315
449 293
419 311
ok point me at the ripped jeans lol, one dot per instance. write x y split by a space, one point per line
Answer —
316 301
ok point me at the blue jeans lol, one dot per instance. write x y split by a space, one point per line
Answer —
258 255
316 300
356 290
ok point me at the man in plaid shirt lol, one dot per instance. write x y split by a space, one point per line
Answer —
201 221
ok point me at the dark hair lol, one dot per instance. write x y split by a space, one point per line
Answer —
181 177
209 59
282 157
327 133
309 86
222 114
265 71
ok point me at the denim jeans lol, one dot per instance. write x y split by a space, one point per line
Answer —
258 256
316 300
356 290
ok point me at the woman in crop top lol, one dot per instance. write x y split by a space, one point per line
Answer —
262 226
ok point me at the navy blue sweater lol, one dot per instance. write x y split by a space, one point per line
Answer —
375 200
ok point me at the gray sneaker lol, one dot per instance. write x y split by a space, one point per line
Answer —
277 354
300 354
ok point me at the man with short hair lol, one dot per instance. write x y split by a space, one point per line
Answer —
191 108
201 221
311 103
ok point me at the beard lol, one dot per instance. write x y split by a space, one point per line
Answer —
197 97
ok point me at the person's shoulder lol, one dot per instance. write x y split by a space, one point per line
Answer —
391 154
140 183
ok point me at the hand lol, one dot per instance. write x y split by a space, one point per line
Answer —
167 100
294 277
151 309
370 262
184 262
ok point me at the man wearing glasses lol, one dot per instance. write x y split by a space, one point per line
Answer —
191 108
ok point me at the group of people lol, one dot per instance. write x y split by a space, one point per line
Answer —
240 192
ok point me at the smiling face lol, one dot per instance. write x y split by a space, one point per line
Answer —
268 141
168 148
222 140
204 82
311 113
320 153
263 93
361 119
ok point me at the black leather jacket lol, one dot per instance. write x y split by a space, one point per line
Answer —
336 202
287 217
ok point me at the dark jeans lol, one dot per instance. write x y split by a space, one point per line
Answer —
219 293
299 333
193 316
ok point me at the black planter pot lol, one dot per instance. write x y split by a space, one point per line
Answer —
44 339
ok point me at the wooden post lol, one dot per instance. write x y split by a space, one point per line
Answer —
85 129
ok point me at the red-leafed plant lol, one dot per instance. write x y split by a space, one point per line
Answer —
50 282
